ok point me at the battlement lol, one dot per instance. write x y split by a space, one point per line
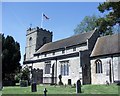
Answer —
35 39
37 29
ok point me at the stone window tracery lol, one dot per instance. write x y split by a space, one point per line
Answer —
98 63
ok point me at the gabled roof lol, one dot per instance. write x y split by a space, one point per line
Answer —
67 42
107 45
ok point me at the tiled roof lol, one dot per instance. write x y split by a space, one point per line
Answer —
107 45
67 42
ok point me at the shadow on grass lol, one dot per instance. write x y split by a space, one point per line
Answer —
60 95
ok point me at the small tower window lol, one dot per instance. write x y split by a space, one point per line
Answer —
44 40
30 41
30 45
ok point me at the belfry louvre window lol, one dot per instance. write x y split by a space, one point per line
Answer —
47 67
98 63
30 46
64 68
30 41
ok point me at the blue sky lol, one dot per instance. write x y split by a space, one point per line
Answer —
64 17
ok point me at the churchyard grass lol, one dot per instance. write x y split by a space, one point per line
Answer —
86 89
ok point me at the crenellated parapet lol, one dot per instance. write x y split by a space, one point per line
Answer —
31 30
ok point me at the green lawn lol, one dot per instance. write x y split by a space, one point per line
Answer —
86 89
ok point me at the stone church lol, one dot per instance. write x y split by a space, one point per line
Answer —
105 60
84 56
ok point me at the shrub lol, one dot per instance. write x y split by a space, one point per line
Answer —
18 77
25 74
23 83
8 83
118 83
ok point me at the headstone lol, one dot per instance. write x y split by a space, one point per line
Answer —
60 80
78 87
45 92
107 83
33 87
69 81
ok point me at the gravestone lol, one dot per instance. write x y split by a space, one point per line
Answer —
37 76
33 87
78 86
60 80
45 92
69 81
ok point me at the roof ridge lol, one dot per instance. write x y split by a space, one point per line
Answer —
104 45
107 36
93 31
66 42
71 37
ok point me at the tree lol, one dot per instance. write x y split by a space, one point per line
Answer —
111 19
25 73
87 24
10 57
102 27
23 77
106 24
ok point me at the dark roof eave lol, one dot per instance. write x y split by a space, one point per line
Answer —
52 58
104 55
48 51
60 48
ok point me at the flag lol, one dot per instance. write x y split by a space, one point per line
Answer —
43 16
46 17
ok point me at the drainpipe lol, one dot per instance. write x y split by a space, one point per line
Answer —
110 73
56 70
32 72
112 69
81 66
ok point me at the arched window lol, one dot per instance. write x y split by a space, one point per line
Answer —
47 67
62 72
67 69
64 68
98 63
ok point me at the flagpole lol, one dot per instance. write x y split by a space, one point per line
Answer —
42 20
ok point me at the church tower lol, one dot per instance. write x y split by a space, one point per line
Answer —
36 38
